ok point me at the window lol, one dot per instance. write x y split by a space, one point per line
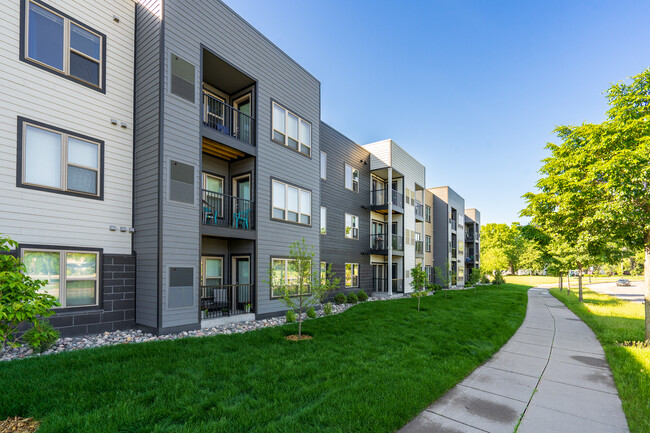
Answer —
323 165
59 160
323 220
351 226
351 275
72 276
284 274
63 45
181 182
429 272
427 243
323 271
291 130
291 203
211 271
351 178
182 78
427 213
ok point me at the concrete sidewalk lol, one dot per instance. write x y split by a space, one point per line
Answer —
552 371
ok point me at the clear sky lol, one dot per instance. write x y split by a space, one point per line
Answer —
472 89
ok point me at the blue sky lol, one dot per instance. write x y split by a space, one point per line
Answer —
472 89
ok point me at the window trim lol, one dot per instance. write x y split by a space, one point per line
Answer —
24 5
323 227
23 122
300 118
427 243
286 197
286 261
352 275
345 181
353 227
68 249
204 259
427 213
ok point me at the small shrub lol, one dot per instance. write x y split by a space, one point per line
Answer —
484 279
41 336
291 316
311 313
328 308
362 296
352 298
340 298
498 279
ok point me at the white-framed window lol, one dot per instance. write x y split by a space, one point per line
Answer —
323 165
72 276
351 275
291 130
351 226
323 271
59 160
351 178
63 45
291 203
323 220
427 213
211 271
427 243
284 273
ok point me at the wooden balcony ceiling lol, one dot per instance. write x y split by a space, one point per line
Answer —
222 151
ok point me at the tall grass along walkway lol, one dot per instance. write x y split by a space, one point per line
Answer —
551 376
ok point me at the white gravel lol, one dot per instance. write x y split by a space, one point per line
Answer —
137 336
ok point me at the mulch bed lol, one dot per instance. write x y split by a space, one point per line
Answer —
18 425
288 337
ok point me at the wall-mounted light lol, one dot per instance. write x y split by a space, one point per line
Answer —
113 121
116 18
123 229
123 125
112 228
131 230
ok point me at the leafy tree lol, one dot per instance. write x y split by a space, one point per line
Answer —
419 283
501 246
20 298
308 286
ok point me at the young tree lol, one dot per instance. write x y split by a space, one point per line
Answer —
21 300
441 275
419 283
304 286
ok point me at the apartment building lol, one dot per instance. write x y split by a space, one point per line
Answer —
449 236
66 146
428 235
472 240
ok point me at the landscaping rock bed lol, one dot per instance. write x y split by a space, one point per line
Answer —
138 336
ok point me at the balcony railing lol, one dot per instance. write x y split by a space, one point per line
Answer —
419 210
380 242
227 119
227 211
469 237
379 197
381 285
419 247
227 300
454 253
398 285
454 224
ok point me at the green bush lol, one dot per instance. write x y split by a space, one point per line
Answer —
291 316
340 298
484 279
498 279
362 296
327 308
352 298
311 313
41 336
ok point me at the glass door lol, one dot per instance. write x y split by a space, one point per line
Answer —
243 120
241 282
379 236
242 202
378 278
212 198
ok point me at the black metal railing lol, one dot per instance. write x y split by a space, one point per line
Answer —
379 197
454 224
469 259
380 242
454 253
398 285
419 210
381 285
227 300
227 119
469 236
227 211
419 247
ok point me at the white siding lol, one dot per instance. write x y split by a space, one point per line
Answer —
31 216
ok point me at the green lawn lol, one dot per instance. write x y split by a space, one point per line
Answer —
370 369
540 279
614 321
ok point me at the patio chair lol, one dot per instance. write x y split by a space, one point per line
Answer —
241 217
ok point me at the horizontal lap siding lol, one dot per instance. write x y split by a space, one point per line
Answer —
146 161
223 32
335 248
40 217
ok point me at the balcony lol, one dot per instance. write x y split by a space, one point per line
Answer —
225 210
381 285
379 200
454 253
419 211
454 224
469 237
419 248
228 120
227 300
379 244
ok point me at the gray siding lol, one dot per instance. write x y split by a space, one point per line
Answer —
335 249
146 165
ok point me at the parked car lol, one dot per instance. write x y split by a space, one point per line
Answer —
623 282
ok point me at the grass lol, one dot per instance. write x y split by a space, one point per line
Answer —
615 321
370 369
535 280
